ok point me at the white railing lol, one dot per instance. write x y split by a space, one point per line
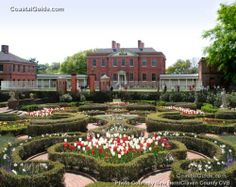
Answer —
24 85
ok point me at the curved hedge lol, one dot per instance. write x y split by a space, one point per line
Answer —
160 122
225 114
8 117
93 106
68 123
52 177
180 176
129 130
141 107
104 171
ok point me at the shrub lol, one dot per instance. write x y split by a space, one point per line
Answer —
76 122
66 98
94 106
209 108
159 122
141 107
103 171
30 108
8 117
225 114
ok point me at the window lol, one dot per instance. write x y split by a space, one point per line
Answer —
114 63
1 67
14 67
144 62
154 77
154 63
23 68
94 63
131 62
123 62
144 77
131 76
103 62
19 68
114 77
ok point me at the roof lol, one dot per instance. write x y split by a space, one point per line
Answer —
56 76
105 77
8 57
178 76
107 51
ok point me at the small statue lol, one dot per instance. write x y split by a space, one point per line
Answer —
12 96
223 99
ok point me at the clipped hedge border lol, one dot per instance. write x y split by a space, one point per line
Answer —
8 117
155 122
94 106
103 171
15 131
52 177
76 122
179 172
145 107
130 130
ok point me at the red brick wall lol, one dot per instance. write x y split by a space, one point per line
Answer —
9 73
137 69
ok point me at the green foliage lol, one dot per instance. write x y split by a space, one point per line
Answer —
144 107
75 63
183 67
172 121
8 117
222 50
66 123
30 108
208 108
225 114
66 98
103 171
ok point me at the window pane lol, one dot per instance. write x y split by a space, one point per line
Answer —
1 67
131 62
123 62
144 77
94 62
114 62
153 77
144 62
154 62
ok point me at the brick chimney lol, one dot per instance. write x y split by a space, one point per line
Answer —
139 43
118 45
5 49
114 45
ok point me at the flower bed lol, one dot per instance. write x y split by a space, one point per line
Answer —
185 111
45 112
107 171
16 127
118 128
118 148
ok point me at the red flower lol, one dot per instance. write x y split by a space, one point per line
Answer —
93 152
100 150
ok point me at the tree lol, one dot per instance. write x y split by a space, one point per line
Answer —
183 67
221 53
75 63
54 68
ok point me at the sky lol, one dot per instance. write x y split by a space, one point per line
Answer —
174 27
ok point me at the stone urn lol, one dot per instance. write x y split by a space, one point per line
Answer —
13 103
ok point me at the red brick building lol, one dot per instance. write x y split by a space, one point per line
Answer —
14 68
209 75
131 67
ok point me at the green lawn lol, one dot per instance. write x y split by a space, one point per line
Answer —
229 138
4 139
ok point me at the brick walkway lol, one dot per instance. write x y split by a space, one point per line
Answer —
22 137
75 180
41 157
91 126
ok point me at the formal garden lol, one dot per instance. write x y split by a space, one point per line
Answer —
114 138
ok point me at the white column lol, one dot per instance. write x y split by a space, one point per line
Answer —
186 84
49 83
